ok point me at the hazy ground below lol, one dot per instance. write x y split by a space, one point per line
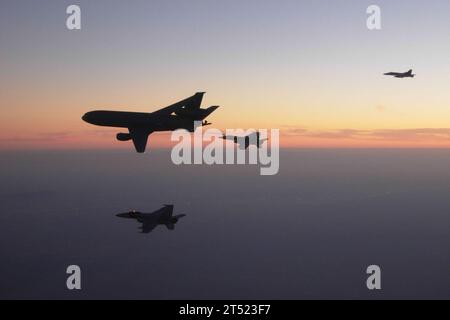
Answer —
308 232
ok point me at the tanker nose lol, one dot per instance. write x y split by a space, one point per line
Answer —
86 117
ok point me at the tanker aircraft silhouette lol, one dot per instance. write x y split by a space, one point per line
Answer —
407 74
150 221
245 142
180 115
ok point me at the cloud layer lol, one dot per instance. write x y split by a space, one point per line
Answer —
415 134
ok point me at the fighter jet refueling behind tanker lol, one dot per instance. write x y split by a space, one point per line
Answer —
244 142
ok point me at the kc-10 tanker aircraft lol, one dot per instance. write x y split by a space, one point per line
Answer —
180 115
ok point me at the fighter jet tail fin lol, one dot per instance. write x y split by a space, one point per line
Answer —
168 211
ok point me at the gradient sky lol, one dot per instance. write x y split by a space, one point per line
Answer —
310 68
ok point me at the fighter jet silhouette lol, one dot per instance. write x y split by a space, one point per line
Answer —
180 115
407 74
245 142
150 221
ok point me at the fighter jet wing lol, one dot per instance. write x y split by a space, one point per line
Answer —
191 103
148 226
139 137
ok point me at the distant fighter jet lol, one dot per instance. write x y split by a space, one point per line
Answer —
407 74
245 142
180 115
150 221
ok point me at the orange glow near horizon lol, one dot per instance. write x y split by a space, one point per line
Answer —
104 138
319 80
52 124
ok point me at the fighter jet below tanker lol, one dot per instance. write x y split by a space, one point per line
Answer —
150 221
